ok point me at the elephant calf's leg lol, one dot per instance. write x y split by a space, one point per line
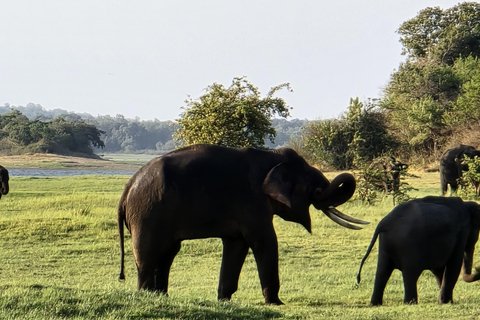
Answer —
385 268
234 253
438 273
410 278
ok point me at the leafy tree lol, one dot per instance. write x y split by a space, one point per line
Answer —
437 87
443 35
235 116
359 136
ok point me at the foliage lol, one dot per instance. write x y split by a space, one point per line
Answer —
443 35
384 175
437 88
19 134
356 138
470 179
235 116
133 136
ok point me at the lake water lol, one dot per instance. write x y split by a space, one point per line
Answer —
60 173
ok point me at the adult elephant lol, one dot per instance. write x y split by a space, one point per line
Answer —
206 191
433 233
3 181
451 166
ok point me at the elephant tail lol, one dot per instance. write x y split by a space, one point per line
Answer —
370 247
121 222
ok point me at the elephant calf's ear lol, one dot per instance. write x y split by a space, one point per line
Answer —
278 185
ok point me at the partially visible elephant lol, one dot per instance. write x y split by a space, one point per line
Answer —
206 191
451 166
3 181
386 175
432 233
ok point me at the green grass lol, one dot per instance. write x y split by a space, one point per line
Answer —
59 259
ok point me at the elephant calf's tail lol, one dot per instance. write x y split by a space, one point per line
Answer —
120 222
370 247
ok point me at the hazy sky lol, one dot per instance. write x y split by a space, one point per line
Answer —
144 58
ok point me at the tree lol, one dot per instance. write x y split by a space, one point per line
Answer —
443 35
437 87
235 116
18 134
359 136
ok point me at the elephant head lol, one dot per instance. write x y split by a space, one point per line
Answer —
296 185
474 210
3 181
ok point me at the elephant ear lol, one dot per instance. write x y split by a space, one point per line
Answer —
278 184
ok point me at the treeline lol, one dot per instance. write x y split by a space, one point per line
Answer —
18 134
116 134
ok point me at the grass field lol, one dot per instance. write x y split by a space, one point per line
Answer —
59 259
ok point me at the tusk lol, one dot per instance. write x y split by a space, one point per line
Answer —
345 217
336 219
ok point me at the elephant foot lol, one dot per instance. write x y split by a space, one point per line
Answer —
224 298
376 302
445 300
411 301
276 302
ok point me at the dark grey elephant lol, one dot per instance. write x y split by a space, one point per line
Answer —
452 166
432 233
207 191
4 188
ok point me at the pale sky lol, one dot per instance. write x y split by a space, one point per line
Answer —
143 58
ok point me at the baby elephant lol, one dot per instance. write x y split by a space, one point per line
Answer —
433 233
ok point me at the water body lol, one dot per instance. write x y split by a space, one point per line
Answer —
61 173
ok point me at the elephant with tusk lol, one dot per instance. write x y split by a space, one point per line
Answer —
205 191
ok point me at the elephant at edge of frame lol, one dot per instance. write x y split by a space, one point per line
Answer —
432 233
452 166
205 191
4 177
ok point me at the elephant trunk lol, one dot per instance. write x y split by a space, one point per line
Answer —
467 266
338 192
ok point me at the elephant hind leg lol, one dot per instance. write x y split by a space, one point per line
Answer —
145 252
410 278
385 267
164 263
234 253
146 275
438 273
452 271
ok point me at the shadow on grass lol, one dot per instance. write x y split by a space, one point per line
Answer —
47 302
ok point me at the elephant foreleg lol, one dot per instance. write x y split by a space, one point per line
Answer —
266 256
234 253
164 264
